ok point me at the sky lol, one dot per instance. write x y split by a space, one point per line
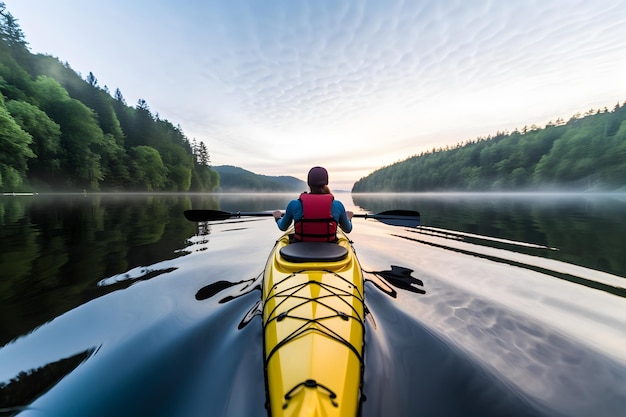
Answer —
279 86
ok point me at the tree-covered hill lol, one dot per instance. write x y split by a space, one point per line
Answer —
61 132
235 179
586 153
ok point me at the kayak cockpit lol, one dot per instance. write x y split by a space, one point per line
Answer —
300 252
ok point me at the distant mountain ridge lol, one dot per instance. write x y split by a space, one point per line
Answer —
234 179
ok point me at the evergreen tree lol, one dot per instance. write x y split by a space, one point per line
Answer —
203 155
119 97
10 31
92 80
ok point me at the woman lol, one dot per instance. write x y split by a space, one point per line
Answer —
315 214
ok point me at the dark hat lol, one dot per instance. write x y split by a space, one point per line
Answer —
318 177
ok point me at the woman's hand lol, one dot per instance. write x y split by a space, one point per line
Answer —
349 214
277 214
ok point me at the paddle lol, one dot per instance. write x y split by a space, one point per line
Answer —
407 218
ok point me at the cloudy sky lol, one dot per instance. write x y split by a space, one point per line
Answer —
277 86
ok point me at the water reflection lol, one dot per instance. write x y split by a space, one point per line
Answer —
459 323
253 202
555 370
55 249
399 277
411 370
213 289
29 385
127 279
560 271
584 229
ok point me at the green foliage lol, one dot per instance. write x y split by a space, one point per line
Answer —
204 178
147 169
80 134
14 150
63 132
586 153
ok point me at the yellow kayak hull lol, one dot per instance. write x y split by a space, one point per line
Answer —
313 319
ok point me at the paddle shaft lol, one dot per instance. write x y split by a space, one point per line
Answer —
200 215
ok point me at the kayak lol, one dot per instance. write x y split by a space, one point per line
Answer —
313 323
313 319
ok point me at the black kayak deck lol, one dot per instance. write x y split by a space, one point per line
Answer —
313 252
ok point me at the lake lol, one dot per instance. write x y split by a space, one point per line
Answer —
117 305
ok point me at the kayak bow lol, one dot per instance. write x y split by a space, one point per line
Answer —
313 321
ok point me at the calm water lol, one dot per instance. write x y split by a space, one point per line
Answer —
116 305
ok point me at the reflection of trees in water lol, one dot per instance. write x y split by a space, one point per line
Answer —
27 386
54 249
472 250
12 209
586 230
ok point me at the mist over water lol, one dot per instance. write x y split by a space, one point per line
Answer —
478 312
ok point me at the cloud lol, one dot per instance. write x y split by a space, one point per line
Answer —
280 85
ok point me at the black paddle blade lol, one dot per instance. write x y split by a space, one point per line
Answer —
405 218
405 213
404 222
206 215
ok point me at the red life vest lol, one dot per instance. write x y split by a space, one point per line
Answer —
317 223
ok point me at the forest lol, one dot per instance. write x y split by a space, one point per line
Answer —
586 153
59 132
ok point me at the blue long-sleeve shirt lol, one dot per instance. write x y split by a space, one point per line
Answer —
294 211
